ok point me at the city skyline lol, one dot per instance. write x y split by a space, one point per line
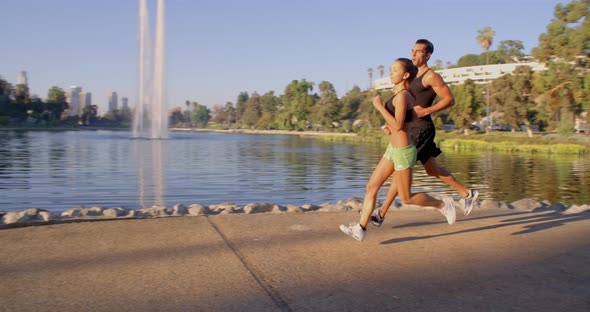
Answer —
218 49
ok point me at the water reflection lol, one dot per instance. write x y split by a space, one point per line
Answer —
151 158
60 170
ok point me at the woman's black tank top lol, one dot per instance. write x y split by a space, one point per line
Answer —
391 109
424 96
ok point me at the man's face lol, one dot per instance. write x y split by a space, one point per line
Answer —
419 55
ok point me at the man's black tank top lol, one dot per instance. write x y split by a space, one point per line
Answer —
424 96
391 109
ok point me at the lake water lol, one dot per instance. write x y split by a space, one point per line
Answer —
59 170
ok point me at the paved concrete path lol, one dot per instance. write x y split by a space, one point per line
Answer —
500 260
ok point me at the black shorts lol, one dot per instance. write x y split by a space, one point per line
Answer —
421 134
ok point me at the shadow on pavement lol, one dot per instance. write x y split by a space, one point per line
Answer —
531 224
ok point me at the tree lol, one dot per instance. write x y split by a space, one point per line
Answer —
56 102
519 107
367 111
230 112
381 70
509 51
468 60
5 87
218 114
370 72
464 111
564 88
351 103
269 106
568 34
6 92
296 105
241 105
22 94
89 114
176 117
438 65
327 109
485 38
252 110
200 115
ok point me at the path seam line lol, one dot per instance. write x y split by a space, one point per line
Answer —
274 296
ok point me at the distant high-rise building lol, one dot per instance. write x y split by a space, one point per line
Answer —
85 99
74 101
124 103
113 101
22 78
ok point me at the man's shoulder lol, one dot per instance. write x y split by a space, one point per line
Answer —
432 77
430 73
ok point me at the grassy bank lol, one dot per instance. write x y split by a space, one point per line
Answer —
516 142
495 141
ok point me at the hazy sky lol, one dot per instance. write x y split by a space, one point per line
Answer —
219 48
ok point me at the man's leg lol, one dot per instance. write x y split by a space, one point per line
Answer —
469 195
433 169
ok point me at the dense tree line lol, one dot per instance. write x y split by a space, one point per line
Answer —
19 108
547 100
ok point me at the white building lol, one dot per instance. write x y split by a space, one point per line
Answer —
479 74
74 101
22 78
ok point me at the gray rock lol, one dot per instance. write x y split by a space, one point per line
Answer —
197 210
224 208
73 212
155 211
527 204
293 208
334 207
577 209
308 207
355 203
45 215
489 204
26 216
258 208
115 212
179 210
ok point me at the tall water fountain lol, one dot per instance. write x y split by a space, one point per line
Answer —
151 119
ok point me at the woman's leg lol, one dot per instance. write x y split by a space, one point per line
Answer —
383 170
390 197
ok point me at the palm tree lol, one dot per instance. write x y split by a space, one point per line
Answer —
381 70
485 38
370 71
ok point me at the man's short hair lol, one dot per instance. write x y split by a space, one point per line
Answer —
427 44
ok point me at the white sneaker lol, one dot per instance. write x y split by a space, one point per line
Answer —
469 201
354 230
376 219
449 209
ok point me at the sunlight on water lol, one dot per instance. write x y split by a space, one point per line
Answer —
60 170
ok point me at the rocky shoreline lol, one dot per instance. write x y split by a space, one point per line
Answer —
34 216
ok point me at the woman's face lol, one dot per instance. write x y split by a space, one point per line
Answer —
396 73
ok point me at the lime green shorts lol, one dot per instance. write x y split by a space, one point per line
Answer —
402 158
